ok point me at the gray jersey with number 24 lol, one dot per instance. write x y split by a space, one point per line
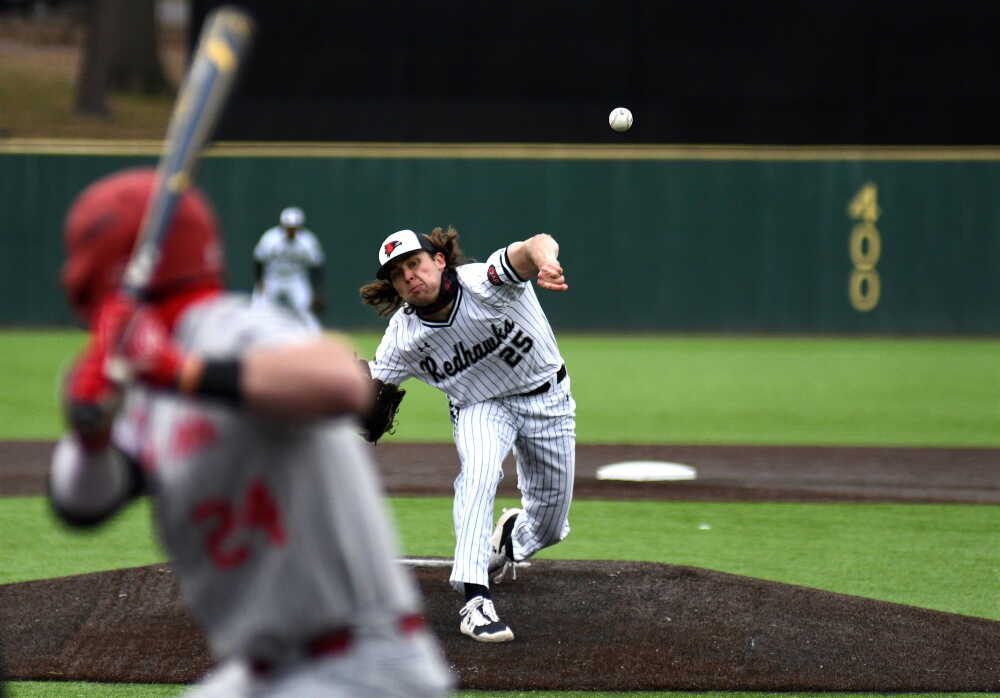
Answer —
277 528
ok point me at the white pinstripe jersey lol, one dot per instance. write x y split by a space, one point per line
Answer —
496 341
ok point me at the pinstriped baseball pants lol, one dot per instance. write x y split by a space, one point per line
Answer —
541 430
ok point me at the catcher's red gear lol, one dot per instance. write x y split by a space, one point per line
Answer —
100 232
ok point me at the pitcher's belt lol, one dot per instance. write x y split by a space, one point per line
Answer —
544 387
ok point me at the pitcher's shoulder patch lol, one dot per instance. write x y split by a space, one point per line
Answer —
493 276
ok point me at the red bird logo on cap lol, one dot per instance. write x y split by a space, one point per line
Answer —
390 246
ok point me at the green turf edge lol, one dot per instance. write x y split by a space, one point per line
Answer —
49 689
77 689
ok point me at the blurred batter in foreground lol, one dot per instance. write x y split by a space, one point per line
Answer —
240 420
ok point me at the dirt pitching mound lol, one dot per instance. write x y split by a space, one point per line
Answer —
617 626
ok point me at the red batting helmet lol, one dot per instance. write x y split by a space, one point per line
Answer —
101 228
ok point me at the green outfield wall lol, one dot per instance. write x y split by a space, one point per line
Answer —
653 238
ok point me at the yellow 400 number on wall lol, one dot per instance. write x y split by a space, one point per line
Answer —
865 246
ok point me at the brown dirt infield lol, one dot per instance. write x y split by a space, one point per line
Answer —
725 473
582 625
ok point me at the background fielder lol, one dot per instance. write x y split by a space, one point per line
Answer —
288 266
477 332
240 421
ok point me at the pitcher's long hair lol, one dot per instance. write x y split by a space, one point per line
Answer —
382 296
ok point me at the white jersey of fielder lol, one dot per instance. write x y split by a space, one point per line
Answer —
286 266
283 258
496 342
277 529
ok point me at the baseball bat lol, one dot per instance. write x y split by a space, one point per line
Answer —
222 47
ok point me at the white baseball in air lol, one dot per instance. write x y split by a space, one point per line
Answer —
620 119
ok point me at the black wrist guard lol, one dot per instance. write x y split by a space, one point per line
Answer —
222 379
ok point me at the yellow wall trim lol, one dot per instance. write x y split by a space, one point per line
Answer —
512 151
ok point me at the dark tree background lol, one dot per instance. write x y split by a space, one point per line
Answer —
772 71
120 52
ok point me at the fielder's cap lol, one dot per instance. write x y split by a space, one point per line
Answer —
398 245
292 217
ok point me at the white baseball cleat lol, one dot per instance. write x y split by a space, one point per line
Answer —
481 622
502 553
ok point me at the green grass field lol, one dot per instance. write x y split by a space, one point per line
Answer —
669 389
673 389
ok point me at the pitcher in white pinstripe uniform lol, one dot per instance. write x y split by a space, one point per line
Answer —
477 332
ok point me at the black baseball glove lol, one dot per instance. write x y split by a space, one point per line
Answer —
381 418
